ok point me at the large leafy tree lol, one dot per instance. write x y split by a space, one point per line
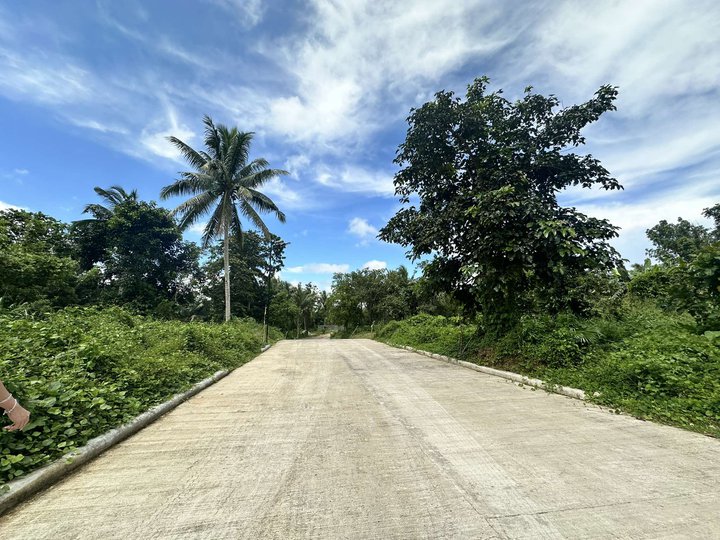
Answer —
146 261
224 184
689 276
487 172
89 236
676 242
133 254
34 262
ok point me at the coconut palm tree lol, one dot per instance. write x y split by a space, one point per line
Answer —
113 196
225 184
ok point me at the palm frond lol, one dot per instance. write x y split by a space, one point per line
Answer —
259 177
97 210
212 137
250 213
238 150
189 183
194 208
195 158
121 195
214 228
265 204
235 224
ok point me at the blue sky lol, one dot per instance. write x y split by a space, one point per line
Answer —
90 90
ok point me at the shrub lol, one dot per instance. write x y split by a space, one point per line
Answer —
434 333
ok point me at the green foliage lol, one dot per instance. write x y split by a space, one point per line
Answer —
83 371
434 333
696 287
254 260
34 231
653 283
487 172
677 242
663 371
296 309
34 263
283 311
146 260
364 297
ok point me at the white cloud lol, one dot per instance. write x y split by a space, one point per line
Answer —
375 265
362 229
154 137
21 172
663 56
318 268
357 55
8 206
97 126
286 198
635 217
356 180
198 228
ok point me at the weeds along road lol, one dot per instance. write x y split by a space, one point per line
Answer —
354 439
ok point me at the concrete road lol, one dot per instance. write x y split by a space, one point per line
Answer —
353 439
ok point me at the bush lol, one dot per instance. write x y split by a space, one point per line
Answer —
652 284
83 371
434 333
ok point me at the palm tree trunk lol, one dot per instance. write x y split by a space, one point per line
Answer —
226 257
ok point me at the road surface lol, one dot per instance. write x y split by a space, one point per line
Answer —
353 439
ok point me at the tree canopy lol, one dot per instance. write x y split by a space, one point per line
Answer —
487 172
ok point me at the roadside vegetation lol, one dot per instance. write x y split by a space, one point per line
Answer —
85 370
512 279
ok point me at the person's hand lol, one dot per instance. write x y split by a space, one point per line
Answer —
20 417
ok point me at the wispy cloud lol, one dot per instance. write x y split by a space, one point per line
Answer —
17 175
318 268
30 77
355 61
287 197
296 165
154 137
197 228
249 12
635 216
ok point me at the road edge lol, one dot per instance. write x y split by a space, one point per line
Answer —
27 486
574 393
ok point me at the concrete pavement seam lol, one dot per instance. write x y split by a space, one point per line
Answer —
574 393
22 489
